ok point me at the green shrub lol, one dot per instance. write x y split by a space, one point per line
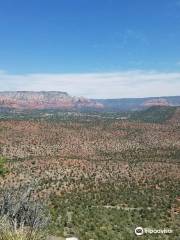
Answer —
3 169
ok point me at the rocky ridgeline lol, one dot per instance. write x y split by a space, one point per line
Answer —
45 100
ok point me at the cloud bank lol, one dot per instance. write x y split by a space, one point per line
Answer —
97 85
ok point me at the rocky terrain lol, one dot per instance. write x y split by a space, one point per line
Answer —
110 170
44 100
112 174
132 104
28 100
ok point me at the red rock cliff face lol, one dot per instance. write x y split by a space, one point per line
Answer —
45 100
156 102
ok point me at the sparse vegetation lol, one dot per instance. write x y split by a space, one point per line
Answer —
21 217
111 173
155 114
3 169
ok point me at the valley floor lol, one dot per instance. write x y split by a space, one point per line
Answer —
112 175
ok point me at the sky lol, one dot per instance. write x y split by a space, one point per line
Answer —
91 48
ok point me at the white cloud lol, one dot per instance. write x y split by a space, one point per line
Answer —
97 85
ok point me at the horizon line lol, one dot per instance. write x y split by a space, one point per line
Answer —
48 91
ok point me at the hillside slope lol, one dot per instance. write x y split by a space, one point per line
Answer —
157 114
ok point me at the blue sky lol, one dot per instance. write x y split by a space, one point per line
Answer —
94 48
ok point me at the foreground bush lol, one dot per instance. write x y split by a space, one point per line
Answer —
22 233
21 218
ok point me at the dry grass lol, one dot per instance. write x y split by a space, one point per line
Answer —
8 233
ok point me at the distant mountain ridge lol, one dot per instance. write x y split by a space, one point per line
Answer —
23 100
133 104
44 100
